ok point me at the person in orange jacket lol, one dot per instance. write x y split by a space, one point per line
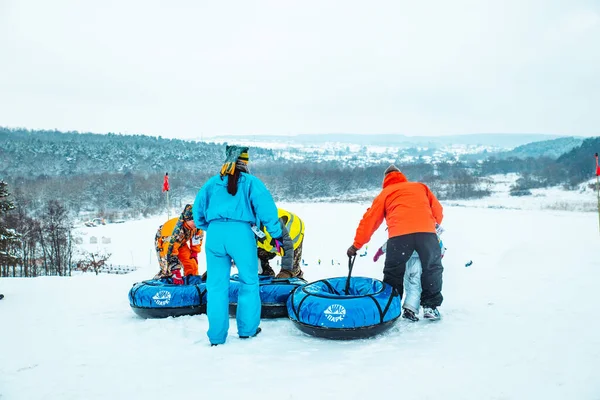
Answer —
178 243
411 212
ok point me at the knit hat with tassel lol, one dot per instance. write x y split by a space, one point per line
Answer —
235 155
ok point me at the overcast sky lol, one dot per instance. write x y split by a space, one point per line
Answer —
191 68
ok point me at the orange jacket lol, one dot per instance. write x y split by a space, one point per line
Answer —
408 207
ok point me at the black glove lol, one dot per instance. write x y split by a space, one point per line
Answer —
351 251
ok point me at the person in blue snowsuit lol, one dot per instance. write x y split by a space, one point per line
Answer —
226 208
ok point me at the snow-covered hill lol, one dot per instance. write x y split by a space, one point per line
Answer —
519 323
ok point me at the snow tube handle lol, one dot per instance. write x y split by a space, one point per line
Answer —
281 280
350 265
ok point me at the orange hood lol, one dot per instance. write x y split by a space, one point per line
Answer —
393 177
407 208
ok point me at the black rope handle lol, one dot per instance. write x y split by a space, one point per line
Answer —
350 265
281 280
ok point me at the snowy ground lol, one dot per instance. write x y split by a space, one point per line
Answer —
519 323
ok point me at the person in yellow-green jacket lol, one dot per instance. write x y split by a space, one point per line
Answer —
292 228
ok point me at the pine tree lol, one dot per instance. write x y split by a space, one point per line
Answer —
9 239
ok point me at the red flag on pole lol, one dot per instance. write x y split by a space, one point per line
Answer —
597 166
166 183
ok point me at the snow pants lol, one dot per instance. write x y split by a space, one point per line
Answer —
190 264
398 252
226 241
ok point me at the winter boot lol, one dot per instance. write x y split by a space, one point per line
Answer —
285 274
410 315
431 313
258 330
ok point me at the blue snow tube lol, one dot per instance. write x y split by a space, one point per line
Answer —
159 298
323 308
274 293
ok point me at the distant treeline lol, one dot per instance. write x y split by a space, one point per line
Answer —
118 195
569 170
109 174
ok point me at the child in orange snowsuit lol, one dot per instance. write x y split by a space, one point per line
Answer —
178 243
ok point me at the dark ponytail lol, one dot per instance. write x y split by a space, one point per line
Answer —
232 182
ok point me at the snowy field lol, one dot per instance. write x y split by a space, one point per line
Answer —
519 323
